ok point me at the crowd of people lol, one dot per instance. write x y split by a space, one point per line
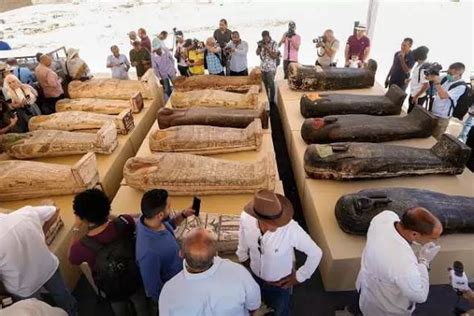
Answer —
30 92
137 262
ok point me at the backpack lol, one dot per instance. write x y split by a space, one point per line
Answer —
117 275
464 102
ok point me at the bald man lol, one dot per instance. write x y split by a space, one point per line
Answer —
208 285
392 278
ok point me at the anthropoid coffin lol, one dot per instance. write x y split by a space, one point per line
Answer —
224 227
344 161
315 78
219 117
320 105
206 140
367 128
215 82
82 121
355 211
108 89
54 143
216 98
102 106
186 174
21 180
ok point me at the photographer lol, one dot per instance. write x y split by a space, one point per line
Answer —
418 82
237 51
118 63
403 61
448 91
8 118
180 54
292 43
268 51
327 46
212 58
195 56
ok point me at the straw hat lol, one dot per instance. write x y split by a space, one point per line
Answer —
270 207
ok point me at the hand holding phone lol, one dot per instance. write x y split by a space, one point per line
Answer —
196 205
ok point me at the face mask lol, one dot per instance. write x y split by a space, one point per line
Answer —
416 243
449 77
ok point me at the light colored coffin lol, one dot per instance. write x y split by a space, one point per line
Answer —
102 106
108 89
81 121
207 140
21 180
216 98
55 143
185 174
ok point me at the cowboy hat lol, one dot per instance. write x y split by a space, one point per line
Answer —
71 52
361 27
270 207
4 67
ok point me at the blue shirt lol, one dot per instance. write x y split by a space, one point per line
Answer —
157 255
214 65
4 46
24 74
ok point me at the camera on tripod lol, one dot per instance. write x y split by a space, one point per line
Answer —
432 69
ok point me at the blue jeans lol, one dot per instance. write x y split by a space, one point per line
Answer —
167 89
275 297
467 127
60 294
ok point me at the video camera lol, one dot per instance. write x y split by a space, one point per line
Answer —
320 39
457 277
175 30
198 44
432 69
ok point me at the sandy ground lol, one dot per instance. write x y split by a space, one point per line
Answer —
93 26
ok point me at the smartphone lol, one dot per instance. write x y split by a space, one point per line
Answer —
196 205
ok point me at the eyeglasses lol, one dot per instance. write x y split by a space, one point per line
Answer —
259 243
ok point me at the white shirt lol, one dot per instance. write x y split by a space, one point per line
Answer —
325 60
418 79
32 307
119 66
227 288
26 263
238 58
442 107
391 280
276 260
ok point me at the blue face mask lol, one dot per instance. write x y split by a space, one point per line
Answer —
449 77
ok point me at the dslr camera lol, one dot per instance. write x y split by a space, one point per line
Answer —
320 39
198 44
432 69
290 33
260 43
458 278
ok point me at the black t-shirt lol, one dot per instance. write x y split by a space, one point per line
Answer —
222 38
398 76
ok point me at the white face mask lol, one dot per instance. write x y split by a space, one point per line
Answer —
416 243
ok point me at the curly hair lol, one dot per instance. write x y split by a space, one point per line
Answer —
92 205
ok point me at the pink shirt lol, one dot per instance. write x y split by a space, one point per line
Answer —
49 81
291 48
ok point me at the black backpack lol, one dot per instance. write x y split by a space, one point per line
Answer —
464 102
116 273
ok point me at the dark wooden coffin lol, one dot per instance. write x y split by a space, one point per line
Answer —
368 128
312 78
344 161
220 117
314 105
355 211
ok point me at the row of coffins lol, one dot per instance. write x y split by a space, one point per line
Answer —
203 120
343 132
